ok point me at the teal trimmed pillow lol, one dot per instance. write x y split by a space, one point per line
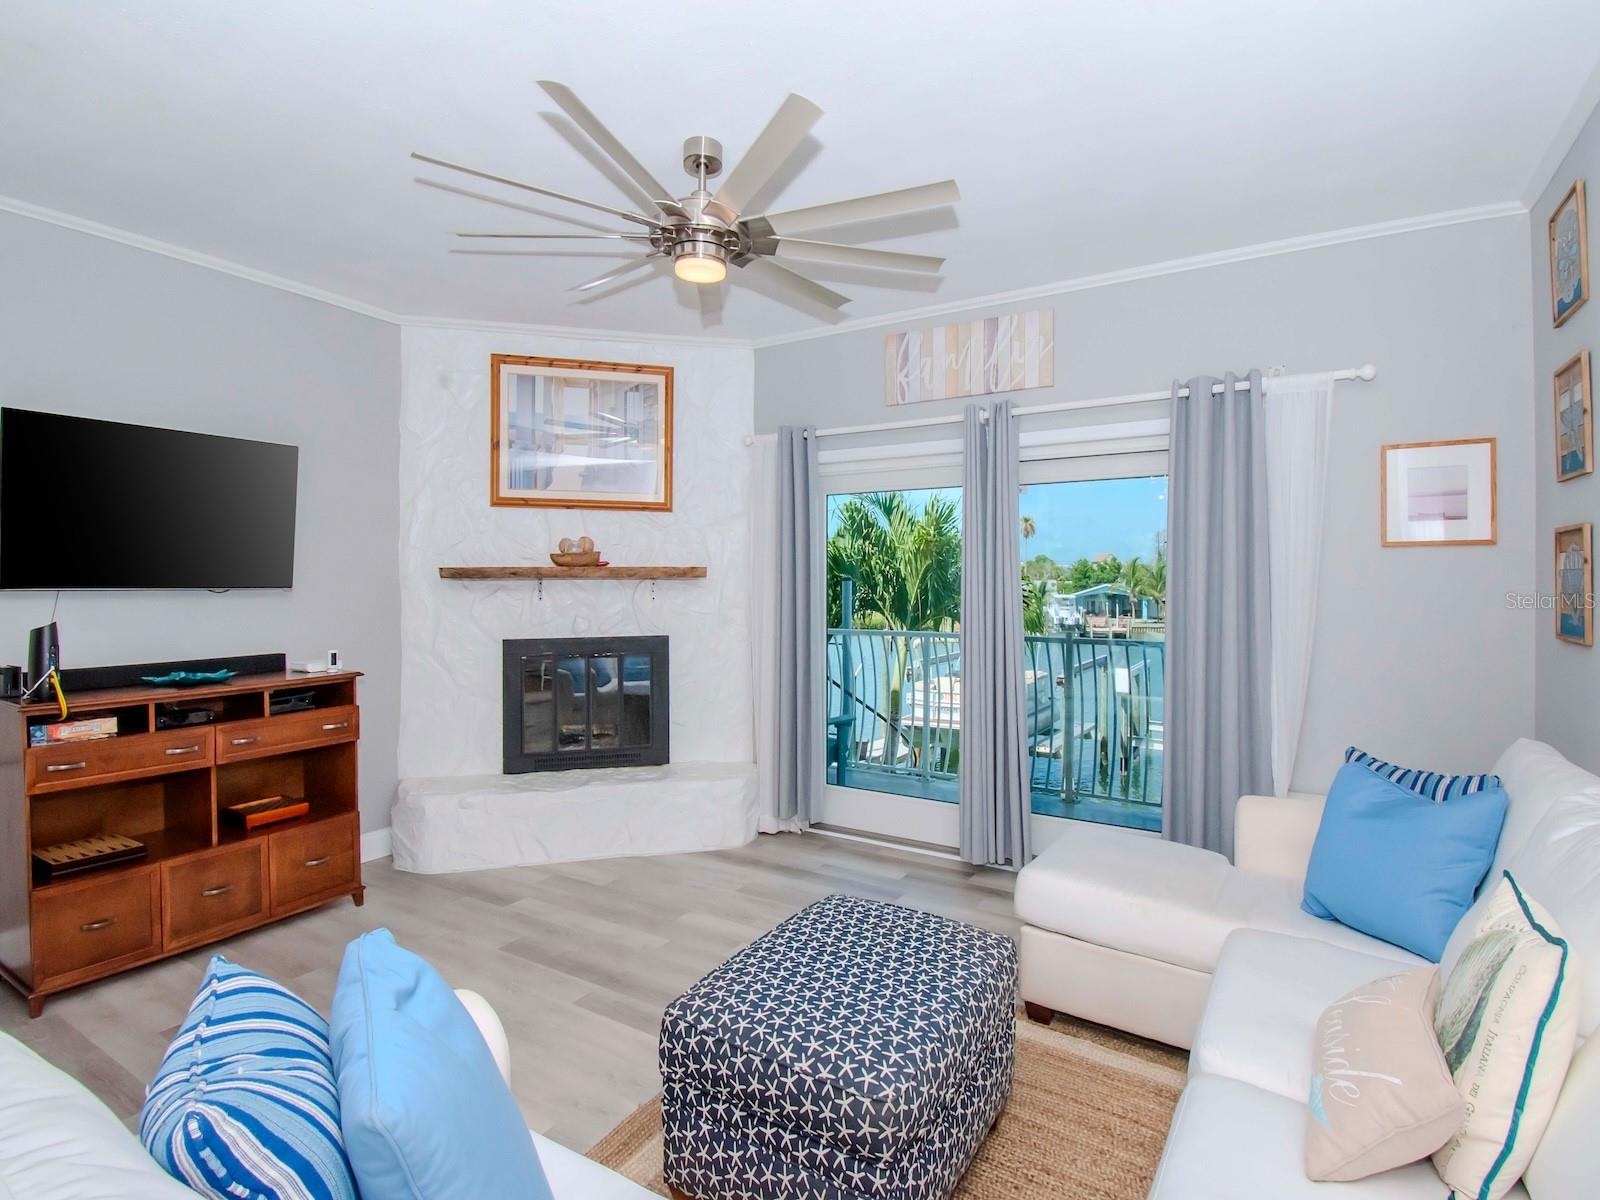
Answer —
1397 865
425 1111
244 1105
1507 1023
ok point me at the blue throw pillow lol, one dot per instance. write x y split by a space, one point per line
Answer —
1433 784
1396 865
245 1104
426 1114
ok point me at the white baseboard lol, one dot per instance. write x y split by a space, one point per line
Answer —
376 843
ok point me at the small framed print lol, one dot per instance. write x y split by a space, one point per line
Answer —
568 433
1569 255
1438 493
1574 419
1575 584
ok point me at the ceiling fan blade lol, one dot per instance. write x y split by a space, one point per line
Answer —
773 145
616 273
809 288
848 212
605 139
609 237
854 256
637 218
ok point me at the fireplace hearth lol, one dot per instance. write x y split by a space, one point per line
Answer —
572 703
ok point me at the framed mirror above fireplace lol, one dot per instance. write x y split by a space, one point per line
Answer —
572 703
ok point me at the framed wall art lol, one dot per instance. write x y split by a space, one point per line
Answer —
1438 493
1574 419
570 433
1575 584
1569 255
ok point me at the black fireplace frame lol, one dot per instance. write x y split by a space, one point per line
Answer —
516 760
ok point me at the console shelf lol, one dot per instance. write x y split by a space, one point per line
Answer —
201 878
543 573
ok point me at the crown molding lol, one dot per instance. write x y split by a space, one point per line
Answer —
1175 266
111 233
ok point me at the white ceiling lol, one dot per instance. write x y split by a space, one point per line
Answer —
1087 137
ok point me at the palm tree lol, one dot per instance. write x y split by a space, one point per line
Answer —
1028 528
906 566
1157 580
1035 606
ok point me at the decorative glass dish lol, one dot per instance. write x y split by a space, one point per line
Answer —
189 678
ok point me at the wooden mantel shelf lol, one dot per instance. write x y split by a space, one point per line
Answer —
543 573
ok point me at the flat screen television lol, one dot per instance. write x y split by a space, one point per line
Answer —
100 504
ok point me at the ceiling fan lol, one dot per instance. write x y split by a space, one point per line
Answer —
704 233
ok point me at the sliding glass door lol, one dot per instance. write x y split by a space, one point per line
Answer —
1093 595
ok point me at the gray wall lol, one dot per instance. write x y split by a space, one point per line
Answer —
95 328
1417 656
1568 676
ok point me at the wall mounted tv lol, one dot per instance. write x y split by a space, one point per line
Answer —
100 504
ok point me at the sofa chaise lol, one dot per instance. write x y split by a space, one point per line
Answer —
1179 945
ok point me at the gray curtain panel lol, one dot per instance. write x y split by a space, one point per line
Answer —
995 804
801 703
1218 687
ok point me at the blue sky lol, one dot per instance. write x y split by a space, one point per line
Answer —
1083 519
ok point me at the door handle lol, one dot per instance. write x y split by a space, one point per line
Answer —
245 741
175 750
102 923
317 862
332 725
220 890
77 766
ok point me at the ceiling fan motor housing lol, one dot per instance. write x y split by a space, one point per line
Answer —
702 154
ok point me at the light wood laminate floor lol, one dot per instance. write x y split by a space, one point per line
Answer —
579 959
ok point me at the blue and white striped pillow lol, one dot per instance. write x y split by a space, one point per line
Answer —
1432 784
244 1105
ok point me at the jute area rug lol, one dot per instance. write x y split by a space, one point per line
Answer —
1087 1118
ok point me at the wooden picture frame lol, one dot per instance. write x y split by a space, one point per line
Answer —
1574 406
579 433
1438 493
1574 569
1569 255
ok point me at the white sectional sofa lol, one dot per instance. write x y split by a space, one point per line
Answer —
59 1142
1177 944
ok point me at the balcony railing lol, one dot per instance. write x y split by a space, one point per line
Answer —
1093 709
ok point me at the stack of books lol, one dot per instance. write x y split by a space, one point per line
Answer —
86 729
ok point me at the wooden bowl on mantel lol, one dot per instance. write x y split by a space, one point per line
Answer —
589 558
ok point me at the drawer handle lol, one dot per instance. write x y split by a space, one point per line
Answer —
249 741
332 725
92 926
77 766
220 890
318 862
174 750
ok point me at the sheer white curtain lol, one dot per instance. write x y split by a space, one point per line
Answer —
1297 416
764 631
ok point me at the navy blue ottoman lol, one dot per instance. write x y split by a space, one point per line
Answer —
858 1050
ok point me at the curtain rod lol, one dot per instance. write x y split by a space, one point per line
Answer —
1365 373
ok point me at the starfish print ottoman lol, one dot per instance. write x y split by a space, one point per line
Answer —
859 1051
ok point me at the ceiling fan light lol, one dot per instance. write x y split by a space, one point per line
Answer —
699 268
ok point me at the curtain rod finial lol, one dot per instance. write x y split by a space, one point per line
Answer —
1366 372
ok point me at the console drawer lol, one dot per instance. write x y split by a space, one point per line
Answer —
310 863
239 740
130 756
84 925
213 894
